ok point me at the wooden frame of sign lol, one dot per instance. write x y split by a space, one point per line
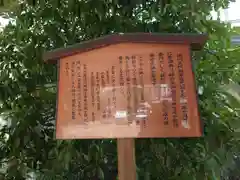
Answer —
127 86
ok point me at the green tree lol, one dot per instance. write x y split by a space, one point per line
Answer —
28 91
7 6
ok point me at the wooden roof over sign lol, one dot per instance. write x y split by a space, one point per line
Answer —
196 41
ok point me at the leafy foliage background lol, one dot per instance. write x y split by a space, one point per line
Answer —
28 91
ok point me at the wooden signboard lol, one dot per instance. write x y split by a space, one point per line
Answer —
138 85
134 85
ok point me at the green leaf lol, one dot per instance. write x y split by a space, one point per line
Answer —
100 173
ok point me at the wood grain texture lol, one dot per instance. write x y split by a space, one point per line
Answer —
126 159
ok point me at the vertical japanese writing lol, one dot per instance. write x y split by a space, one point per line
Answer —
93 116
134 70
173 88
141 74
67 68
181 75
128 81
138 110
92 88
114 85
79 89
153 68
98 90
142 107
93 93
85 92
121 80
73 91
162 81
134 82
109 111
161 64
103 84
107 77
183 101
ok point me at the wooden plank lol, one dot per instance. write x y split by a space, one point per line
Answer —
137 98
126 159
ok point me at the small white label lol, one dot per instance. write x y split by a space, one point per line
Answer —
121 114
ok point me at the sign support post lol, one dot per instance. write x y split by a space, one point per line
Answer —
126 159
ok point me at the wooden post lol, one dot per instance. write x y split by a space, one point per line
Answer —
126 159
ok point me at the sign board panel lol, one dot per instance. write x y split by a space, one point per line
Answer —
133 90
